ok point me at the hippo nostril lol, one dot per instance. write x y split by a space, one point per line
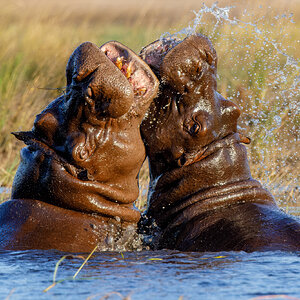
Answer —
181 161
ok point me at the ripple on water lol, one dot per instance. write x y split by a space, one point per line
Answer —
151 275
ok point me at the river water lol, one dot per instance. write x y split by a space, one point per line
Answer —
151 275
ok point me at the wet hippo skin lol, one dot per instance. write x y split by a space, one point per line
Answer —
202 196
78 177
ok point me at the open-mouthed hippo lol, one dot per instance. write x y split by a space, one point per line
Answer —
202 196
78 176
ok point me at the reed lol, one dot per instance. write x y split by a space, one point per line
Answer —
37 37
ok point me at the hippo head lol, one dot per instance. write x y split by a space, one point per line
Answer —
107 84
109 89
189 113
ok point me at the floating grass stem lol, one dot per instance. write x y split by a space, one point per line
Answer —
68 278
74 276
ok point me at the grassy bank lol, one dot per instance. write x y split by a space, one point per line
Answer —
37 38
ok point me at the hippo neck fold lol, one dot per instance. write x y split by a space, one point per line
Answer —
61 186
221 178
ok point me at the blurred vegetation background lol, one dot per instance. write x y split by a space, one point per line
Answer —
258 69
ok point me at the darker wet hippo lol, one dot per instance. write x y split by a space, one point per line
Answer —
202 196
78 176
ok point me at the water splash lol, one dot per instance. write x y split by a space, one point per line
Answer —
258 71
220 14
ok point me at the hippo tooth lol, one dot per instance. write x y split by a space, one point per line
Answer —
129 70
119 62
140 91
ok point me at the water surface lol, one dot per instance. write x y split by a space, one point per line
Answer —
151 275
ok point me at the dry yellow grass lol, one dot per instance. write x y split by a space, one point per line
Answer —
38 36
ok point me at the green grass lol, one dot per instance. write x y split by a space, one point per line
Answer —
38 38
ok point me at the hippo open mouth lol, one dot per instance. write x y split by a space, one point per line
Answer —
154 53
131 67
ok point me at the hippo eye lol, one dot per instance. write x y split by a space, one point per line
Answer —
194 129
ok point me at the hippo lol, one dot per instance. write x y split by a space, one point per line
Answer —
201 194
78 176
